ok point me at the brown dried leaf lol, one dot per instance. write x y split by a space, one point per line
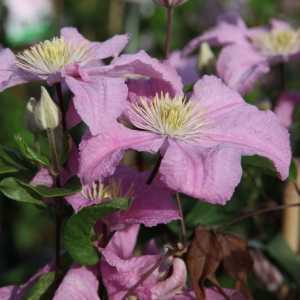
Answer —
203 259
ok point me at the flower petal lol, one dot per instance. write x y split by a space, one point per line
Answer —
285 107
199 172
99 102
80 283
42 177
241 66
72 35
10 74
152 204
100 155
223 34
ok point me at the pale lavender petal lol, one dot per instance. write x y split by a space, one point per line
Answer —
174 284
72 35
10 74
99 102
277 24
80 283
241 67
42 177
253 132
100 155
223 34
285 107
187 67
112 47
237 124
199 172
152 204
153 75
78 201
7 292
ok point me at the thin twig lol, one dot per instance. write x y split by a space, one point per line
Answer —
155 170
257 213
182 222
169 30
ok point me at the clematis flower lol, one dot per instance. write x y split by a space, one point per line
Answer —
199 139
78 283
249 53
122 272
151 205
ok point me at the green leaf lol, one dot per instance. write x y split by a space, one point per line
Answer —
78 230
10 159
6 168
72 187
293 171
40 287
13 189
280 251
30 153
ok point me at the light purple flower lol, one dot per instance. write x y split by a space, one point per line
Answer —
200 140
53 60
79 283
285 107
151 205
122 271
248 53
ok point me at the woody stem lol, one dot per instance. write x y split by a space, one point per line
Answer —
182 222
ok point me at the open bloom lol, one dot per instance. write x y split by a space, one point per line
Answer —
78 283
249 53
201 140
151 205
122 272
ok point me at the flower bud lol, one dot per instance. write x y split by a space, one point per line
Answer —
45 112
206 56
169 3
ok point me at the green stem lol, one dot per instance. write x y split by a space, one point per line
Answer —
182 222
168 39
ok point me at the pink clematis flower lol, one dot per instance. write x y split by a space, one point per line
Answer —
249 53
199 139
79 283
151 205
122 272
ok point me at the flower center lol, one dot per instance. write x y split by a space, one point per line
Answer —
278 42
97 192
52 55
173 117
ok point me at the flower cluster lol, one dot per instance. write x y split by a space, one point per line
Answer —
138 103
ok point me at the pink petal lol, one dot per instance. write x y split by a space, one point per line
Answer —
277 24
199 172
223 34
152 204
241 66
42 177
160 77
285 107
99 102
7 292
100 155
187 68
72 35
80 283
10 74
174 284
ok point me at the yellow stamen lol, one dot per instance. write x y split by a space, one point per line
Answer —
52 55
174 117
278 42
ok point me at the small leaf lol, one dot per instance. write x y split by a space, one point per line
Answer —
40 287
12 189
293 171
280 251
78 230
72 187
30 153
6 168
12 159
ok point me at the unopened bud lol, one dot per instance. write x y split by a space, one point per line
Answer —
45 113
206 56
169 3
